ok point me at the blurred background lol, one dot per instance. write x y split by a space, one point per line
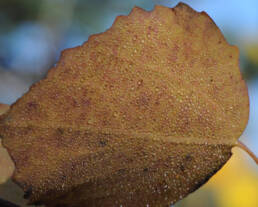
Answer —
33 33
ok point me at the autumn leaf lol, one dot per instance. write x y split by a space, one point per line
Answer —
142 114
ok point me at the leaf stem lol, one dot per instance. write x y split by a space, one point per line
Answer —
247 150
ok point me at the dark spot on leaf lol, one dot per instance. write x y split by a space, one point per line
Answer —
188 157
103 143
121 171
182 168
60 131
28 193
32 105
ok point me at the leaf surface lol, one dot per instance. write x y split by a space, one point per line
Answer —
142 114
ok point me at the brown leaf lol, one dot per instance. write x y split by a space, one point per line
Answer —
142 114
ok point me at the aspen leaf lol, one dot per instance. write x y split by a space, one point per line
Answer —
140 115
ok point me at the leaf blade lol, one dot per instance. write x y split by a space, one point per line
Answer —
140 95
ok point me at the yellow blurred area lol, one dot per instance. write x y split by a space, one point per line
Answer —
252 53
235 185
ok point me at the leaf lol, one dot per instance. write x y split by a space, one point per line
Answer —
142 114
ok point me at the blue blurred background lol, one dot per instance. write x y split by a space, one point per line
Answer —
33 33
